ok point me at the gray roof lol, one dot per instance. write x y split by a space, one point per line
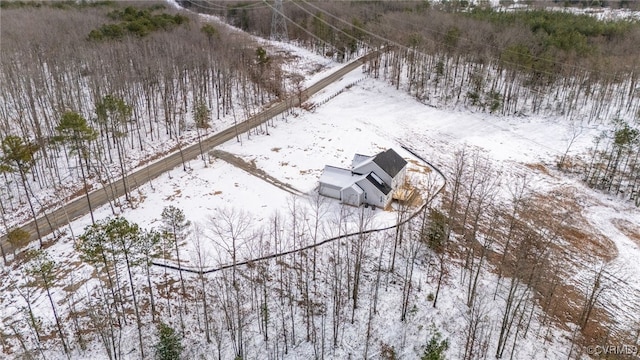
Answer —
390 162
378 183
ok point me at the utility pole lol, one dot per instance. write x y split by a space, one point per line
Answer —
279 23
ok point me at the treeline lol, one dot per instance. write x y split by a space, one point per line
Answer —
614 163
140 95
266 309
63 4
520 62
140 22
512 63
336 299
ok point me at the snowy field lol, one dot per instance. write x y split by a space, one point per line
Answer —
369 116
366 116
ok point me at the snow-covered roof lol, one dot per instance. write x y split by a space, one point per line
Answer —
337 177
357 187
359 159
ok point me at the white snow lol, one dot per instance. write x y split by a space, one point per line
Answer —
366 117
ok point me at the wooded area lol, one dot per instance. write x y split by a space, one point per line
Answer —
74 106
315 297
574 67
166 81
534 61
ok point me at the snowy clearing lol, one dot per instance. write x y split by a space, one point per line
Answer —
366 117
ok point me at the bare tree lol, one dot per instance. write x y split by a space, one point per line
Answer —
596 287
230 228
575 130
477 330
202 258
42 268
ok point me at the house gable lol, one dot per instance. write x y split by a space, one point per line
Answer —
369 166
390 162
359 159
352 195
376 193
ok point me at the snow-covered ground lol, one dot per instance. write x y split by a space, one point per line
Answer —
365 117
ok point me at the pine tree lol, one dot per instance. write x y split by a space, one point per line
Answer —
18 238
127 236
435 348
43 270
18 156
169 345
150 248
175 228
113 115
74 131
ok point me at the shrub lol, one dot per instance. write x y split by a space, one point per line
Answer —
138 22
169 346
436 347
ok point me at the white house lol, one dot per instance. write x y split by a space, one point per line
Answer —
371 180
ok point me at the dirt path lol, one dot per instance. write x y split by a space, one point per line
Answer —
251 168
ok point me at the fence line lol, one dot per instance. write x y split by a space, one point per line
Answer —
346 87
326 241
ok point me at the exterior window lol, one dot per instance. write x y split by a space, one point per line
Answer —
381 200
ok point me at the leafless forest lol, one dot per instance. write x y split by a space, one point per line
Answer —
72 107
447 57
130 95
344 292
515 65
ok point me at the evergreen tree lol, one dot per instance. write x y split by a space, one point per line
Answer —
435 348
18 156
150 248
96 249
18 238
436 232
113 115
43 270
175 228
169 346
127 237
74 131
209 30
201 115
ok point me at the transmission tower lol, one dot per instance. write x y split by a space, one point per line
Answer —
279 23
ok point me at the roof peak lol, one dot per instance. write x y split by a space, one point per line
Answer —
390 162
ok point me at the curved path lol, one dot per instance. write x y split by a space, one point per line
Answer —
326 241
63 215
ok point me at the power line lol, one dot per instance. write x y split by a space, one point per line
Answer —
389 41
278 23
464 38
513 64
305 30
